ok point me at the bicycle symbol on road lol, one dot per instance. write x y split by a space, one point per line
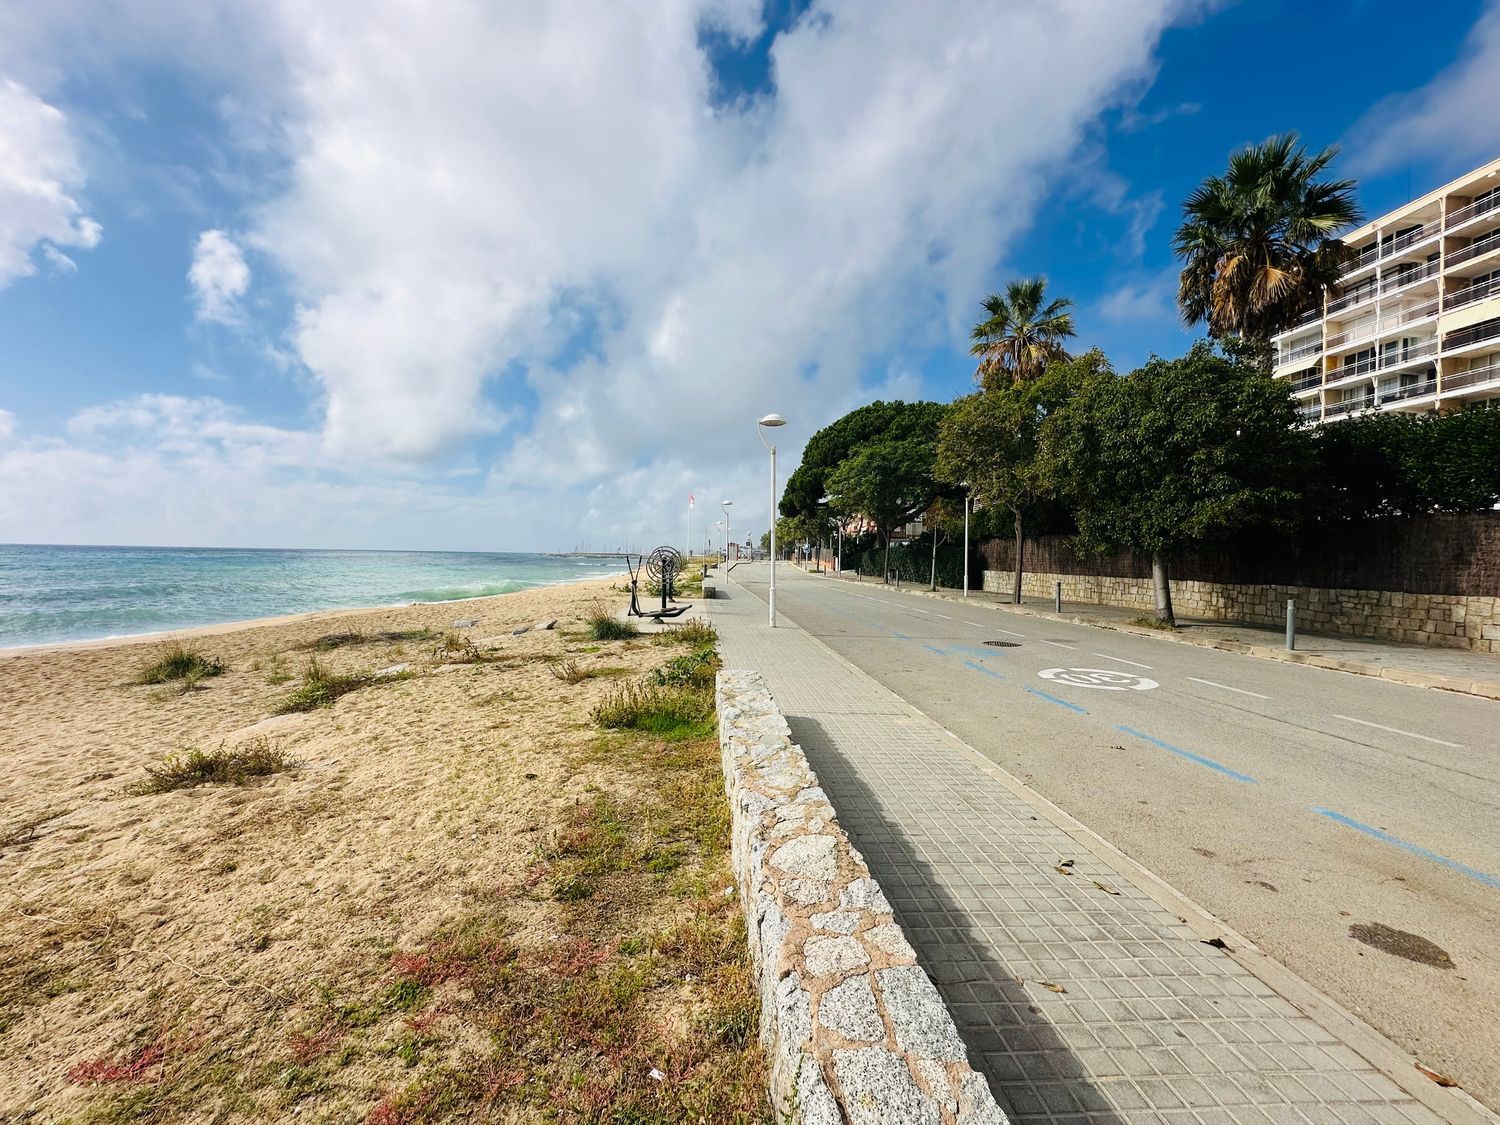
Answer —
1106 679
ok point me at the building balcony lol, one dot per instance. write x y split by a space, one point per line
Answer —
1469 212
1308 413
1462 298
1423 389
1363 259
1385 324
1401 243
1307 383
1301 351
1349 406
1472 337
1477 378
1485 244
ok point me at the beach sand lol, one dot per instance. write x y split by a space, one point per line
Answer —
142 937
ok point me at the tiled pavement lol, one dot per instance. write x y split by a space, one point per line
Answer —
1078 1004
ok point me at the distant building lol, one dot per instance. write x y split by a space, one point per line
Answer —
1416 324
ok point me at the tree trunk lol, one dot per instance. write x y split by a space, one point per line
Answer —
1020 558
1163 590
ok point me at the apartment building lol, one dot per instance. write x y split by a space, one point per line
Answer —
1416 323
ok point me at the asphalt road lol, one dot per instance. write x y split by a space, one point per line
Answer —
1295 803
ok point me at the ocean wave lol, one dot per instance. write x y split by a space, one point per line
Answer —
461 593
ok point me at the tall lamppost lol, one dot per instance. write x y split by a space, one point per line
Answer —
771 422
968 499
728 529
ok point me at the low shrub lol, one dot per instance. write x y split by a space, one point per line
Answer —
696 632
215 767
667 710
605 626
179 662
694 669
320 687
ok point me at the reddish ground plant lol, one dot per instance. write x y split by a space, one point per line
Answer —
135 1067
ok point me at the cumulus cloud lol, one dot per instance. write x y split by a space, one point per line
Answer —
7 424
546 205
1149 300
1451 119
39 176
219 277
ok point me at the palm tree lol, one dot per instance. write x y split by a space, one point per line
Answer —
1022 334
1260 243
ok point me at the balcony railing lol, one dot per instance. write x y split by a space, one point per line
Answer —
1473 377
1348 406
1295 354
1358 297
1479 246
1402 276
1307 383
1388 359
1402 242
1474 334
1474 210
1471 293
1309 413
1413 390
1384 324
1364 257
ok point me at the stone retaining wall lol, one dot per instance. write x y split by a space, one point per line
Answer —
1445 620
853 1028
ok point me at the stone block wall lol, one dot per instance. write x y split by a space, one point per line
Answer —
853 1028
1446 620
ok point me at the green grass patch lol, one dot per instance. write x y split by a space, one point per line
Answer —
214 767
695 632
694 669
1146 621
177 663
321 686
330 641
671 712
605 626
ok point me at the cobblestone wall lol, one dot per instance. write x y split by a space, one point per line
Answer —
853 1028
1447 620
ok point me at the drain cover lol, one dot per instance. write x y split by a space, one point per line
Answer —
1002 644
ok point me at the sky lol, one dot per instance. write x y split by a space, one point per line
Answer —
523 275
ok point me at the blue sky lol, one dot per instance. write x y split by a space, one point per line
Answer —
518 278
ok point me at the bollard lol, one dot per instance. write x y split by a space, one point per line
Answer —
1057 598
1291 624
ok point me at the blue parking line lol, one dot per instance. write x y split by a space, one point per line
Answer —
1190 756
934 648
901 636
1415 849
1059 702
982 669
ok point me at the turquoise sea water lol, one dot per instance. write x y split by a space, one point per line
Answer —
50 594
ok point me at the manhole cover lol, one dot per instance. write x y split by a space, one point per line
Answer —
1002 644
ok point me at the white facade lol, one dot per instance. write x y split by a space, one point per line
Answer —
1416 325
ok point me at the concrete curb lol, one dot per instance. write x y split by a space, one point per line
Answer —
1482 688
853 1028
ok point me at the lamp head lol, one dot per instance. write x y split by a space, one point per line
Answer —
773 420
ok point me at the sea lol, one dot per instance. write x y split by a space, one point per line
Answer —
54 594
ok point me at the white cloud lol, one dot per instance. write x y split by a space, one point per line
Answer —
1451 120
219 277
1151 300
39 174
458 195
7 424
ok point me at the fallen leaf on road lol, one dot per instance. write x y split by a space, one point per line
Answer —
1065 867
1216 942
1440 1079
1047 984
1105 887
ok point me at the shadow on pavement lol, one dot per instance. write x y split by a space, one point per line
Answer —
1032 1070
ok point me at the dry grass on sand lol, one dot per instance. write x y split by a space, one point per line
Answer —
439 892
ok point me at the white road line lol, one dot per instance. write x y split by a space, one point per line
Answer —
923 612
1058 644
1226 687
1398 730
1008 632
975 625
1122 660
944 616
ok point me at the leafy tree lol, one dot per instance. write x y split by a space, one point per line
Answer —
807 487
1396 464
1021 334
889 483
1179 452
992 441
1259 244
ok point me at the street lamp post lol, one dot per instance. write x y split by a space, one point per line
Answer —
967 499
728 529
771 421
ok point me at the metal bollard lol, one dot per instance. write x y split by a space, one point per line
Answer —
1291 624
1057 598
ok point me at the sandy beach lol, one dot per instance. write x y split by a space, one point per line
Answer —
229 952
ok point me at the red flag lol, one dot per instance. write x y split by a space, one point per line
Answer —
690 500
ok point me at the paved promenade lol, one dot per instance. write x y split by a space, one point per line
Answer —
1081 997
